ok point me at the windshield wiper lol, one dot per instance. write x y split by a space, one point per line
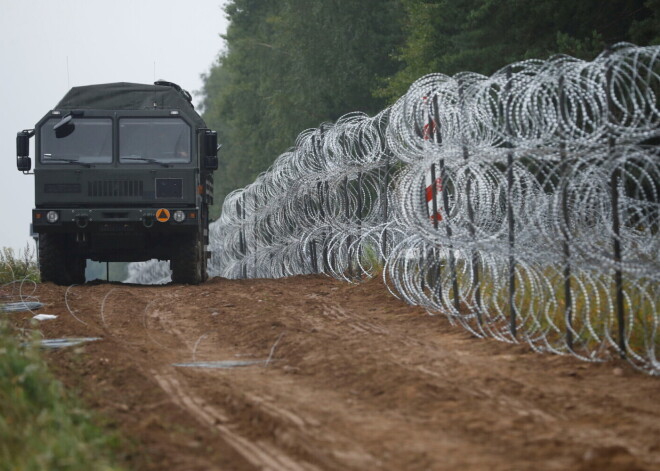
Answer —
69 161
151 161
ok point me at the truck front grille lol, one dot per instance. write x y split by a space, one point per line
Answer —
118 188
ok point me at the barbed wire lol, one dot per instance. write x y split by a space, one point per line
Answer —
524 206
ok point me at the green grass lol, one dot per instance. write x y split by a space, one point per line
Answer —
17 267
541 305
41 426
371 260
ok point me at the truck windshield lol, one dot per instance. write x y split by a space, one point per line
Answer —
145 140
90 142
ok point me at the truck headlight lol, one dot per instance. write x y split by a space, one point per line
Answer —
52 217
179 216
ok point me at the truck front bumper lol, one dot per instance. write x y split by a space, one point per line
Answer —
114 219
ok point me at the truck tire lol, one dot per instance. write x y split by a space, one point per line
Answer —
75 266
188 261
56 265
51 258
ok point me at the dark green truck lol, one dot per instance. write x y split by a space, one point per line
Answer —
123 173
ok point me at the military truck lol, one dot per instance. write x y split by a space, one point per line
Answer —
123 173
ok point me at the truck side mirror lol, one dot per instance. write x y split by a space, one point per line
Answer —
64 127
23 161
211 150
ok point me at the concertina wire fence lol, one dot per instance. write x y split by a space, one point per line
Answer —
523 206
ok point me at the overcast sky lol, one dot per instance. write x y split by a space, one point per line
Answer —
103 41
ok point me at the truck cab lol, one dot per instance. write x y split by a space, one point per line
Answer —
123 173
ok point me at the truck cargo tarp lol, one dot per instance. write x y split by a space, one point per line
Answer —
129 96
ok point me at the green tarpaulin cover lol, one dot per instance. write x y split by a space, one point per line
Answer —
130 96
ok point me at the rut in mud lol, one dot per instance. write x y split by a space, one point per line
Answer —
342 377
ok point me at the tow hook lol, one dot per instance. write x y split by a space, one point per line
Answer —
148 221
82 221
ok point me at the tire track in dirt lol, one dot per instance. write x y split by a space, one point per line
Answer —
260 455
358 381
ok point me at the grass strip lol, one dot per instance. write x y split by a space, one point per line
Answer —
41 426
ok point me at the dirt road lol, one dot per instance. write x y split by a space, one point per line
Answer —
355 379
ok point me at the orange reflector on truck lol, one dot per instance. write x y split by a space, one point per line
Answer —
163 215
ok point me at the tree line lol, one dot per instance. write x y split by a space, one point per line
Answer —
289 65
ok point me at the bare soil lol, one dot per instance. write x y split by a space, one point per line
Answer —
356 380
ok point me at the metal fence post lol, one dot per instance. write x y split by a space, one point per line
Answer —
256 243
349 239
616 223
474 262
385 203
312 245
437 277
445 209
509 209
359 217
328 210
243 241
324 251
437 139
568 296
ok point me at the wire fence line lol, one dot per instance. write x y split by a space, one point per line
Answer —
523 206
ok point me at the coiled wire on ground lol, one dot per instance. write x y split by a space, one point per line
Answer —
524 206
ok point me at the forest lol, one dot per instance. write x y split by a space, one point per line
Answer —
289 65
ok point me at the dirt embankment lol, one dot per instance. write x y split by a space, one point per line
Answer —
355 380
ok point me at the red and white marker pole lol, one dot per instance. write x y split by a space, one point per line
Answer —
429 196
429 131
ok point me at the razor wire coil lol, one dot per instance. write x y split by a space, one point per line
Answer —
524 206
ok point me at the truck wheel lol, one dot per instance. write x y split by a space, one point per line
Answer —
205 273
51 258
56 265
75 266
187 262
